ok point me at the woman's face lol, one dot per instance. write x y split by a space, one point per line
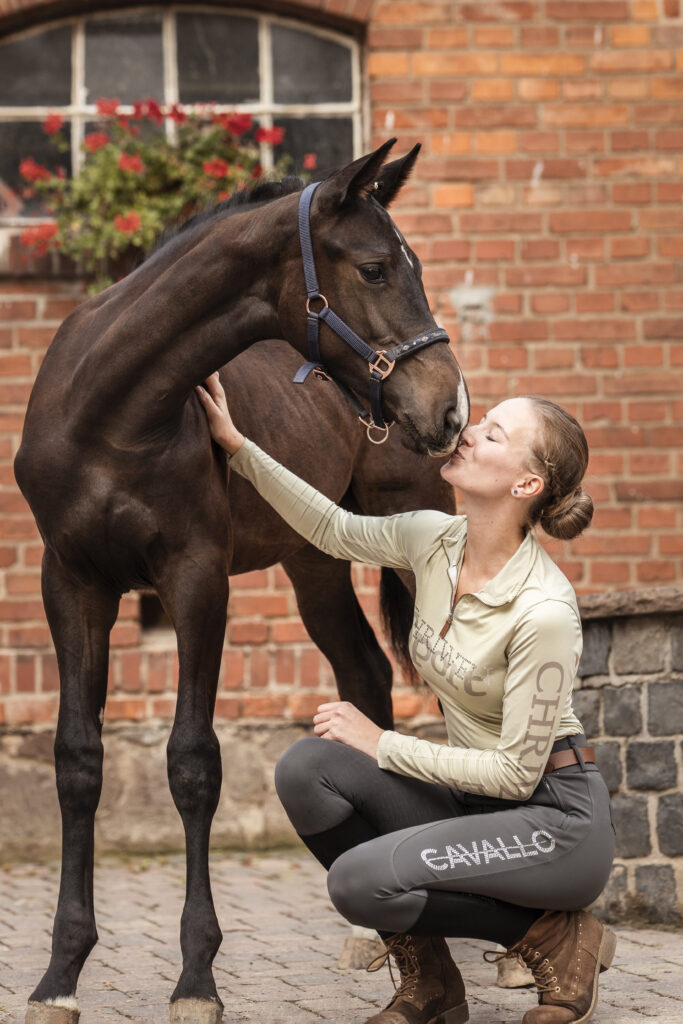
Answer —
494 456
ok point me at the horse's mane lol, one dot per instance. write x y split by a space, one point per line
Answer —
262 192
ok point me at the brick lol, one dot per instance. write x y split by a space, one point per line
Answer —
609 572
247 632
635 274
451 143
18 309
588 10
550 303
453 195
645 166
597 637
586 705
632 194
670 824
671 246
447 38
507 358
304 705
590 220
500 223
31 710
669 192
396 91
448 89
592 329
450 249
532 276
582 89
539 142
632 60
629 35
651 765
645 10
601 410
644 383
667 88
546 36
650 462
512 10
630 88
632 826
638 302
658 113
501 249
599 356
649 518
536 89
432 64
267 605
654 571
630 140
643 355
585 142
495 35
496 116
542 64
228 707
595 302
267 706
524 170
588 114
388 65
382 38
495 142
665 708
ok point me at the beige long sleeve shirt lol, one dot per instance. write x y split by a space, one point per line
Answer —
503 668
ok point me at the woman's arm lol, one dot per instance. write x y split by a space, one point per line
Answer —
381 540
542 662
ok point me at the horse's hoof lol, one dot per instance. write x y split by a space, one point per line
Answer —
195 1011
49 1013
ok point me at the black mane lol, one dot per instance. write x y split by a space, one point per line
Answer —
262 192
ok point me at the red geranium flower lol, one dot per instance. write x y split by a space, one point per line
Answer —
310 161
127 223
256 171
33 171
131 162
216 168
148 109
236 124
274 136
95 141
39 237
107 107
177 114
52 123
124 122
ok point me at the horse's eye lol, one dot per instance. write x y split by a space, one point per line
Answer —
372 272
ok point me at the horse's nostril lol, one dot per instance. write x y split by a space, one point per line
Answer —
453 420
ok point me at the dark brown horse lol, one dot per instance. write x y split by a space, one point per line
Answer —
337 459
128 491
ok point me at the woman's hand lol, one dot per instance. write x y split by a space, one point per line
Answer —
343 722
215 404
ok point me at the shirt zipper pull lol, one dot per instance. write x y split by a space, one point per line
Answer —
446 626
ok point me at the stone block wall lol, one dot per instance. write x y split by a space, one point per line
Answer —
630 700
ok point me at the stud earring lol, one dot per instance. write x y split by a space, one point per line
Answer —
515 491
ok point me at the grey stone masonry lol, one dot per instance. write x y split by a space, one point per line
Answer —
630 687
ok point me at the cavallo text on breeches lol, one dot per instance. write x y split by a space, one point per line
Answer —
551 852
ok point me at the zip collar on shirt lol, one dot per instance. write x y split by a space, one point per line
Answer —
505 585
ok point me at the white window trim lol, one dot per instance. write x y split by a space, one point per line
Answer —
78 112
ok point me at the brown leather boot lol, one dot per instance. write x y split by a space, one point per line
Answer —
565 952
431 990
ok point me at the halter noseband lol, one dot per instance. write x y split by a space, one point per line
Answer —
381 363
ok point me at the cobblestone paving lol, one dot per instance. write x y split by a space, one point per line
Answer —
278 961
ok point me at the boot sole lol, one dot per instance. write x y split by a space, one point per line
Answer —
608 944
456 1015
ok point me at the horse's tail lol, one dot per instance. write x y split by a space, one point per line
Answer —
396 612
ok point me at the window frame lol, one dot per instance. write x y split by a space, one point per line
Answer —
79 112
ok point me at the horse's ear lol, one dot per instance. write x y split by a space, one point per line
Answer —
393 176
356 179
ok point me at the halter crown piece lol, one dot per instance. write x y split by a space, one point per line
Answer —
380 363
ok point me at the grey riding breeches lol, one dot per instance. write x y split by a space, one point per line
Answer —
553 851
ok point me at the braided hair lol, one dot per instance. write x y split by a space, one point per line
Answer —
560 457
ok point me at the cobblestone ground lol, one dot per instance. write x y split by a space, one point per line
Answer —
278 961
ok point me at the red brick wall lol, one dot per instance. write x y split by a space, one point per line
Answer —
551 172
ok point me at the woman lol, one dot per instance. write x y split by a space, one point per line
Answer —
504 833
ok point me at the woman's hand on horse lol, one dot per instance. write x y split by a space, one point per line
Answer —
343 722
215 405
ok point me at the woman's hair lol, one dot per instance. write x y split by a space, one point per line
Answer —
560 457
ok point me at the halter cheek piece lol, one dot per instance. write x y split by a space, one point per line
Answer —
380 363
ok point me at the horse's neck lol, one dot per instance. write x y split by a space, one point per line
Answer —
178 318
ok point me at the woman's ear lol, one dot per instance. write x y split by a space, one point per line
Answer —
528 486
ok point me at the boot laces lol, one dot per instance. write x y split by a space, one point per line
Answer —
540 967
407 963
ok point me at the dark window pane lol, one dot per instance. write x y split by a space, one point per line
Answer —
123 57
308 68
19 140
36 70
329 138
217 58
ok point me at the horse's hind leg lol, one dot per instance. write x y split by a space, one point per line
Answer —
80 615
337 625
195 595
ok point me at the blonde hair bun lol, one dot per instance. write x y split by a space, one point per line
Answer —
568 517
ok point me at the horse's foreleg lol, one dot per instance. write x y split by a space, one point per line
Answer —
195 594
80 616
337 625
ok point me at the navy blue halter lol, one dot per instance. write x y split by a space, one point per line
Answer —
380 363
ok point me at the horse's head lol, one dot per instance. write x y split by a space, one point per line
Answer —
372 281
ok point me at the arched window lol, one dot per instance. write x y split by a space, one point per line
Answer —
286 74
